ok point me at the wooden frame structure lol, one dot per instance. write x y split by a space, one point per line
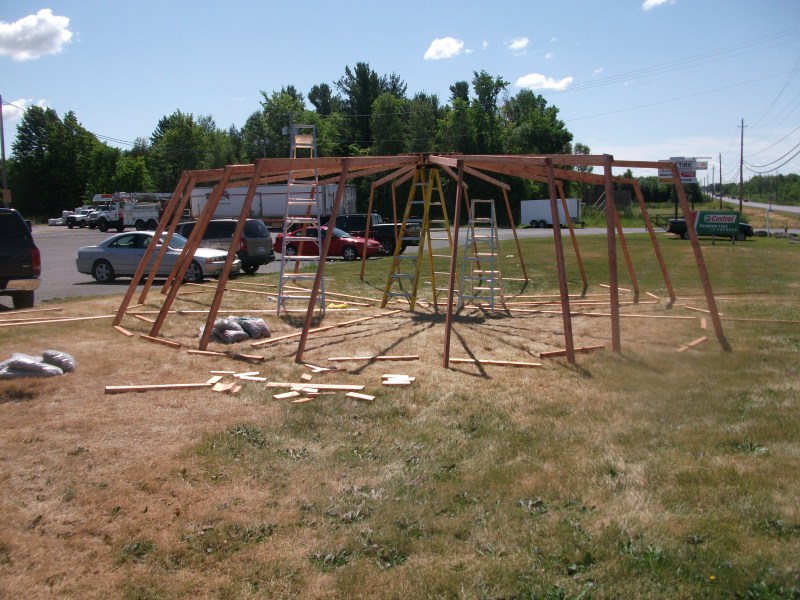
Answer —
552 169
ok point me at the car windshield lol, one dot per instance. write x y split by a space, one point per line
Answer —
341 233
176 241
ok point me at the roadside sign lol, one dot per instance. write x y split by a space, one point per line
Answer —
687 168
715 222
701 165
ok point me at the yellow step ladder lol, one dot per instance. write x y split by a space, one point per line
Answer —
403 279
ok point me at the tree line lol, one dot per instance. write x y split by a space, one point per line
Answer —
57 164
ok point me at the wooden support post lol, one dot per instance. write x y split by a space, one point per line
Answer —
448 321
616 345
651 232
232 249
625 252
698 257
148 253
312 302
572 235
563 285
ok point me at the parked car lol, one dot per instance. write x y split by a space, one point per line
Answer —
20 261
383 231
120 255
342 244
255 247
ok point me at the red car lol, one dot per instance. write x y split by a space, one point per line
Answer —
342 244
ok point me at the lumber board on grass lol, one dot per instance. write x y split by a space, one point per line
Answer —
223 387
370 358
123 331
302 400
501 363
236 355
396 382
56 320
142 318
121 389
692 344
583 349
325 328
398 376
357 396
215 379
162 341
251 378
320 386
285 395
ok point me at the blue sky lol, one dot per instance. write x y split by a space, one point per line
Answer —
639 79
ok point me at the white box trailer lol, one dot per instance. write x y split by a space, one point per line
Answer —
537 213
269 202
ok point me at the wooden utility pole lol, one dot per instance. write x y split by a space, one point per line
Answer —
720 180
741 168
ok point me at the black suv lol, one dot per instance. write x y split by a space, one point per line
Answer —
20 261
255 247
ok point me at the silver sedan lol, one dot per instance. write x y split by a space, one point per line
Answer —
120 255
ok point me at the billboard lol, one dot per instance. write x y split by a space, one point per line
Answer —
687 167
716 222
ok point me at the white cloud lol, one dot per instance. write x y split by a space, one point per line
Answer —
553 39
443 48
650 4
485 44
518 45
535 81
469 51
34 36
549 55
598 70
13 110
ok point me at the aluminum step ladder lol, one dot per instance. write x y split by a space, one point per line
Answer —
481 282
303 210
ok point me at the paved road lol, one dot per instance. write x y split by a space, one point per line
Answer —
778 207
59 247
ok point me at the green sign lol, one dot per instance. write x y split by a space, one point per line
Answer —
716 222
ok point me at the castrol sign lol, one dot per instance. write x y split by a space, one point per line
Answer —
722 223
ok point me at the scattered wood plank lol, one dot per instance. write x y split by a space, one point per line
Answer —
121 389
222 372
702 310
652 295
251 378
502 363
396 382
223 387
325 328
56 320
302 400
692 344
246 373
123 331
236 389
703 323
214 379
341 387
38 310
357 396
142 318
583 350
373 358
396 376
316 369
306 377
286 395
234 355
162 341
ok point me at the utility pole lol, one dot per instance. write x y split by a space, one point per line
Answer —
720 180
6 199
741 168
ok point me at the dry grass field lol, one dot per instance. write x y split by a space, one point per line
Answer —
646 474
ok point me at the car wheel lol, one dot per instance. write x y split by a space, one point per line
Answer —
291 251
686 235
120 228
740 237
349 253
103 272
388 245
70 225
250 268
81 224
542 224
534 223
102 225
194 274
152 224
23 300
140 225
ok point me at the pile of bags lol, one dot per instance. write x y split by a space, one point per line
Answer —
49 364
238 329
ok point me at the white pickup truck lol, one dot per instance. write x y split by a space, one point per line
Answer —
120 214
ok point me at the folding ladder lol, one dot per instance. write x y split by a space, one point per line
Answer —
303 210
481 281
403 279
